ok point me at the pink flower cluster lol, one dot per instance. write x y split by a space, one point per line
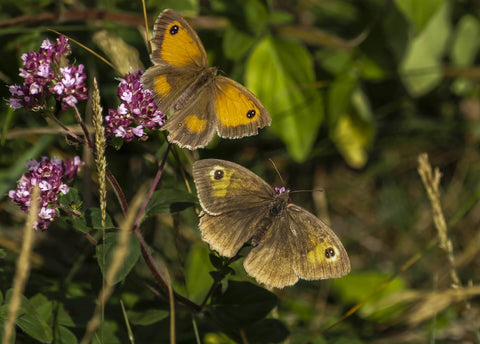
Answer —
49 175
137 111
48 72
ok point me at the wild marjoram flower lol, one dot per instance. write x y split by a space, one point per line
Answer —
50 175
49 72
137 111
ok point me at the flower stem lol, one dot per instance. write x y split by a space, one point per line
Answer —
154 185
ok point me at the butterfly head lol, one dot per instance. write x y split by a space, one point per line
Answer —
283 193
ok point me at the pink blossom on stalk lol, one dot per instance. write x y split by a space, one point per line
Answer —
137 111
48 72
50 175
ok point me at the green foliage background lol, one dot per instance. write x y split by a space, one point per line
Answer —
356 90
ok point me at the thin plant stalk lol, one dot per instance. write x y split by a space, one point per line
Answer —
22 269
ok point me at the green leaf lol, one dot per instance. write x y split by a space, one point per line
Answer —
353 133
31 322
339 97
109 336
13 173
280 72
334 61
419 12
465 41
242 304
72 199
236 43
62 317
167 201
465 48
421 67
147 317
267 331
216 261
185 7
256 15
197 277
109 247
357 286
42 306
93 219
64 336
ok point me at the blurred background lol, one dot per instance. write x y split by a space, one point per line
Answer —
357 90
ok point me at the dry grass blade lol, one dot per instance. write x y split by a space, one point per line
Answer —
431 180
23 267
101 164
435 302
118 256
123 56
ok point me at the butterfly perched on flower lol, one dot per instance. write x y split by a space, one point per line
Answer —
288 242
202 101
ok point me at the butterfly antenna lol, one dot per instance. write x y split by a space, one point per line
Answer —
278 172
296 191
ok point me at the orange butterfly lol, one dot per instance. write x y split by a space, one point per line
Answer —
203 102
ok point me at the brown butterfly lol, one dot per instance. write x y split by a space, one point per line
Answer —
288 242
203 102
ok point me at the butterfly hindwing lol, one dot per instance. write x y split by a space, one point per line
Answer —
191 126
239 112
318 253
270 260
226 233
176 43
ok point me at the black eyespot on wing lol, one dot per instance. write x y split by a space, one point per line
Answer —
218 174
174 30
329 252
251 113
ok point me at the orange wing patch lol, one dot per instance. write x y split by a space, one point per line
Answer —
234 108
179 47
161 86
195 124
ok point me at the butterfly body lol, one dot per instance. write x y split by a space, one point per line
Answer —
203 102
288 242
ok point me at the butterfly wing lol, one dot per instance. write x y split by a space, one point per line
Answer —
296 245
234 202
238 111
176 43
191 126
270 260
318 253
168 83
224 186
178 57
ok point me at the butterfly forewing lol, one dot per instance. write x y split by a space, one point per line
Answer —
176 43
168 84
224 186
